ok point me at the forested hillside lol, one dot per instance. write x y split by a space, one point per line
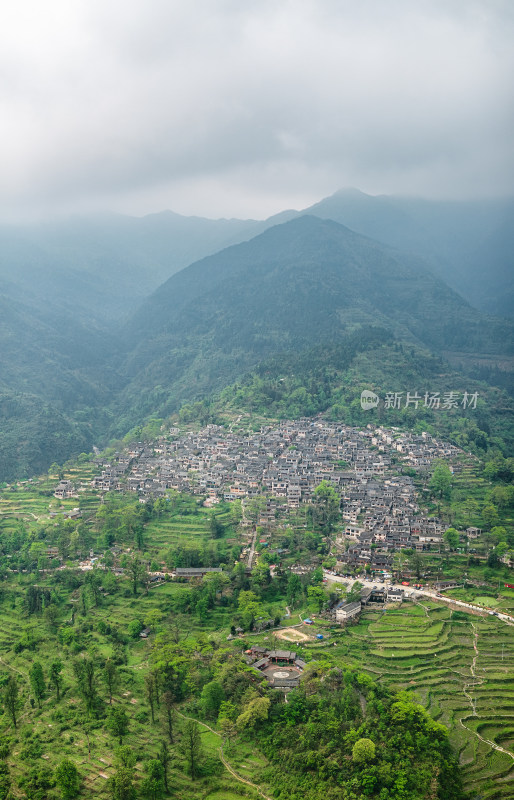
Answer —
92 708
468 244
302 284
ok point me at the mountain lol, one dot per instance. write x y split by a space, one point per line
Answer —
52 376
468 244
302 283
101 268
72 355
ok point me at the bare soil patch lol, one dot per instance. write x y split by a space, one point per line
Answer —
292 635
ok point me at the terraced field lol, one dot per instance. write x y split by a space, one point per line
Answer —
31 502
462 668
166 532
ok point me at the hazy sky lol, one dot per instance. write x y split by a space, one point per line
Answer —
236 108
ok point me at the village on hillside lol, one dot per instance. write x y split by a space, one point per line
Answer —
371 470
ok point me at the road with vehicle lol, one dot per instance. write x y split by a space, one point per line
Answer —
410 591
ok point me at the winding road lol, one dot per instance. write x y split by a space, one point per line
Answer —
507 618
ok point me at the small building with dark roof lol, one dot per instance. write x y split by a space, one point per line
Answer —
282 656
194 572
346 611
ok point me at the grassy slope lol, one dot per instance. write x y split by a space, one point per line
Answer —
424 649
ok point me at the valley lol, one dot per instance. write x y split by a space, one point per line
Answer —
144 552
256 423
191 486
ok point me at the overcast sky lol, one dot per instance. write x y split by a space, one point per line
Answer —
238 108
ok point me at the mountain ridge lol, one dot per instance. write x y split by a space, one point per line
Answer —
296 285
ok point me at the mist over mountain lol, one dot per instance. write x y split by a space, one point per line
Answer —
91 335
296 285
305 279
468 244
102 267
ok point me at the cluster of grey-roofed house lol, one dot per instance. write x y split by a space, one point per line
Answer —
286 463
343 611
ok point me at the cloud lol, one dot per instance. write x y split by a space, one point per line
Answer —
230 108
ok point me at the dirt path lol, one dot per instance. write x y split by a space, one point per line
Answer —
488 741
251 554
476 682
14 669
472 669
239 778
274 630
425 608
225 762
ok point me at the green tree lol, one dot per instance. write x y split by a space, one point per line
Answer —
254 507
501 548
354 593
165 759
37 681
51 615
169 714
228 729
191 747
11 699
125 757
67 779
153 785
212 696
317 596
451 538
363 751
134 628
498 534
416 563
121 785
249 608
37 783
110 676
118 723
441 481
294 589
56 677
502 496
256 711
5 782
215 527
85 674
94 583
136 571
325 508
469 510
490 515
